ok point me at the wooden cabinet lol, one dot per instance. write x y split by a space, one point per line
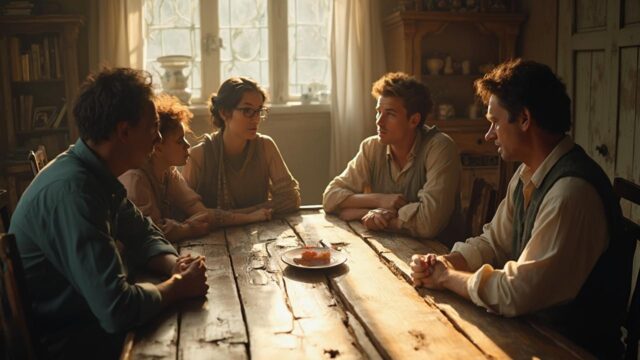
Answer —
38 61
448 51
479 158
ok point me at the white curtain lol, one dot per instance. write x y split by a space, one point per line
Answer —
357 55
119 33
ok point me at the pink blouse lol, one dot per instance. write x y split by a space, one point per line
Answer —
160 200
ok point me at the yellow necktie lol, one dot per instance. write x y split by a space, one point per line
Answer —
527 192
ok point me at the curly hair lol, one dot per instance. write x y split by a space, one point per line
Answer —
520 84
172 113
416 95
109 97
229 96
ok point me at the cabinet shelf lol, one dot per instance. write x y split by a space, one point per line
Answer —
460 123
40 132
38 82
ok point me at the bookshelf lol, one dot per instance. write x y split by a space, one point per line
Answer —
38 60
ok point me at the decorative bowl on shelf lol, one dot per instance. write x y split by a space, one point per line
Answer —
434 65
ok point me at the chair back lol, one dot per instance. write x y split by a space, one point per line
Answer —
4 210
15 308
627 190
482 207
38 159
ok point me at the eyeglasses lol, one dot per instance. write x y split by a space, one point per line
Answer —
250 112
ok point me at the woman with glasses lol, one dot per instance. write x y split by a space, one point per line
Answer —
236 167
160 192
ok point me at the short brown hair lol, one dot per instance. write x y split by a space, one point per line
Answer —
229 96
172 114
520 84
416 95
109 97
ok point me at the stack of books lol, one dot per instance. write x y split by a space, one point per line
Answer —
35 59
18 7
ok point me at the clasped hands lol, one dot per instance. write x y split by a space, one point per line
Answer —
385 217
429 270
192 271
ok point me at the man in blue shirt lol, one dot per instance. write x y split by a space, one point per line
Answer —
68 220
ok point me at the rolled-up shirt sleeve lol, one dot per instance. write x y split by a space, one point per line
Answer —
89 260
438 196
352 180
568 237
493 246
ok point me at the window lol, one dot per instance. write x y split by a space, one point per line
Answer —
244 37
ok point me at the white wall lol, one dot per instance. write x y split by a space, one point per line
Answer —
302 134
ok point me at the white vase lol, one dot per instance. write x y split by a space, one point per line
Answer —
174 81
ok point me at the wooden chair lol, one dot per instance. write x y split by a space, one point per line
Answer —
15 306
627 190
482 207
38 159
4 209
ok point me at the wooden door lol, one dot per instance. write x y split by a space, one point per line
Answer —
598 58
587 62
628 154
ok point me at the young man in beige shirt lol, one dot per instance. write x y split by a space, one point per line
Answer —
554 247
407 178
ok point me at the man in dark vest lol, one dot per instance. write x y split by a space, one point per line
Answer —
407 178
555 246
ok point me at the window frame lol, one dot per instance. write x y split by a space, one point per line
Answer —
211 43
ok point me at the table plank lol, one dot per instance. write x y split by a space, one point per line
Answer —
213 327
158 338
288 315
398 321
496 336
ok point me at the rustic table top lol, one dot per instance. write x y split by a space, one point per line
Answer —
258 307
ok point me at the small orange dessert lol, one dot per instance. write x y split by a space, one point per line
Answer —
313 258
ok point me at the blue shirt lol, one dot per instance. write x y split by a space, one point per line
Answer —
65 224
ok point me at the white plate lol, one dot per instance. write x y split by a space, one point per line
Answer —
337 258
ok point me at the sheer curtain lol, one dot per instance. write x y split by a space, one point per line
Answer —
119 33
357 61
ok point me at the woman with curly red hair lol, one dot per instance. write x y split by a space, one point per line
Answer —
160 192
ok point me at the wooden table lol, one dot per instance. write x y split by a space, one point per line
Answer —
260 308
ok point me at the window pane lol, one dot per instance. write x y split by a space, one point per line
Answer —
172 27
309 65
243 28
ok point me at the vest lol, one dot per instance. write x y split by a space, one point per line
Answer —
382 182
593 318
224 186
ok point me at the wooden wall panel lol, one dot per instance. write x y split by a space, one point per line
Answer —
582 97
628 154
592 127
631 12
602 128
590 15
